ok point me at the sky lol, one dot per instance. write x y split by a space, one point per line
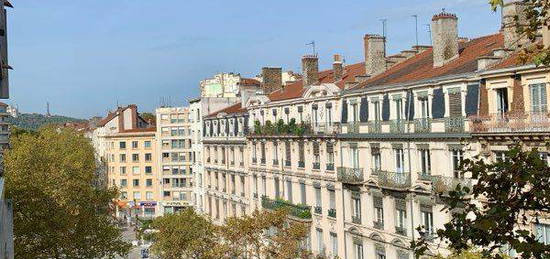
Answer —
86 56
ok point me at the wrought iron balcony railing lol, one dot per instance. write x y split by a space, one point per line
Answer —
254 160
511 122
423 125
288 163
318 210
397 126
262 161
445 184
378 224
301 164
375 126
400 230
331 213
356 219
330 166
353 127
316 165
298 211
275 162
350 175
454 124
326 128
394 180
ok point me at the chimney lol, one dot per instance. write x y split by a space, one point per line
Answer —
375 54
444 38
272 78
310 70
512 10
338 67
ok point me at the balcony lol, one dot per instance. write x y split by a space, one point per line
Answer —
356 219
350 175
394 180
454 124
375 126
301 164
423 125
401 231
445 184
378 225
318 210
275 162
297 211
316 166
331 213
330 166
353 127
511 122
325 128
288 163
262 161
397 126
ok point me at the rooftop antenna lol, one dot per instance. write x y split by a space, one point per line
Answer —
48 109
312 43
429 32
384 33
416 28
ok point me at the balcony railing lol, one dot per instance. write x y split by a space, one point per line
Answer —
301 164
445 184
356 219
423 125
298 211
318 210
454 124
262 161
288 163
353 127
331 213
397 126
375 126
512 122
350 175
401 231
325 128
254 160
330 166
275 162
394 180
316 165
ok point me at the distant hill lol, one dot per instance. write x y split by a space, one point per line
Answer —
33 121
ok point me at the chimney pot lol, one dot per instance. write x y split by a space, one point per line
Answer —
272 78
310 70
375 54
338 67
444 38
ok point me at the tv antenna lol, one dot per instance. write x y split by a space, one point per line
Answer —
416 27
429 30
384 27
312 44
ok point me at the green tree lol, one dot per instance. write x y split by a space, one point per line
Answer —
58 212
185 235
509 196
147 116
538 16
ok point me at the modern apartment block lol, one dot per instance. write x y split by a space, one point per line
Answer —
174 158
360 151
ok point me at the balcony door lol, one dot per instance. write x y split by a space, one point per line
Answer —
502 100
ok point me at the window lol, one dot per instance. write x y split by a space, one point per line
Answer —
262 146
318 198
400 217
275 153
354 154
398 109
399 161
287 154
425 161
255 178
427 219
147 144
148 182
334 242
332 196
316 156
358 251
264 185
277 192
135 169
301 161
424 108
303 193
134 144
289 190
320 244
137 195
330 156
135 182
502 100
123 182
329 114
376 159
354 113
377 113
122 158
123 170
135 157
457 156
254 155
149 195
356 202
538 97
148 157
543 233
122 145
378 212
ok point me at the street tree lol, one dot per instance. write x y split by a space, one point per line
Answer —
58 212
509 197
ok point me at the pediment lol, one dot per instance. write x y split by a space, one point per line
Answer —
322 90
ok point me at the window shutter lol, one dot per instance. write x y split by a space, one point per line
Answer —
409 106
245 125
344 111
438 104
315 148
204 129
455 104
287 149
364 110
301 151
386 108
236 126
472 99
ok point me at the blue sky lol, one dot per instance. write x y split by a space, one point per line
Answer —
84 56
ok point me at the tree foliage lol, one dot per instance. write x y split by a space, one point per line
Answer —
498 213
58 212
265 234
537 13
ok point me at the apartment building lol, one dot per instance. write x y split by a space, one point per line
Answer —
195 117
225 183
360 151
174 158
